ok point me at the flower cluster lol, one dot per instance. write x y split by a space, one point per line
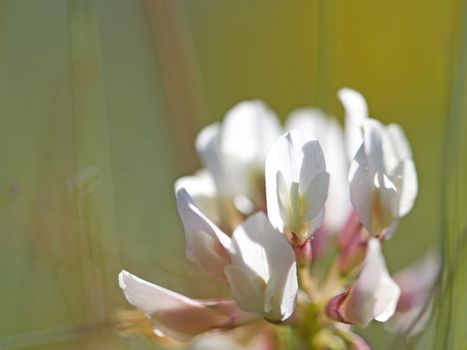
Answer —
292 219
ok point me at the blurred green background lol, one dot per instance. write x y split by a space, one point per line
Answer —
100 102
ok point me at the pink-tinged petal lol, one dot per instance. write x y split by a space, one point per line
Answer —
263 275
351 228
353 253
304 253
417 283
356 111
206 245
374 295
412 321
177 316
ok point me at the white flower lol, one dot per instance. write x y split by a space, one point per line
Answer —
328 132
235 151
206 244
296 185
374 295
176 316
383 181
263 274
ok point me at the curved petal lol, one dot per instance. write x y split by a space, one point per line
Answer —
248 131
417 281
206 244
328 132
415 303
374 197
317 192
263 273
361 188
385 205
177 316
373 145
405 179
396 146
374 294
356 111
202 189
298 158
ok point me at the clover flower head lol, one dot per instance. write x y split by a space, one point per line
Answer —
268 204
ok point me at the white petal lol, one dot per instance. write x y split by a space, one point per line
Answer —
399 142
263 271
405 178
206 244
328 132
299 159
202 190
247 289
361 188
310 120
313 163
374 295
315 195
356 111
177 316
385 205
373 195
282 292
248 131
373 144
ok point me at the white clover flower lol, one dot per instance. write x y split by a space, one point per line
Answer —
263 274
235 151
328 132
373 296
176 316
249 217
383 181
296 185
